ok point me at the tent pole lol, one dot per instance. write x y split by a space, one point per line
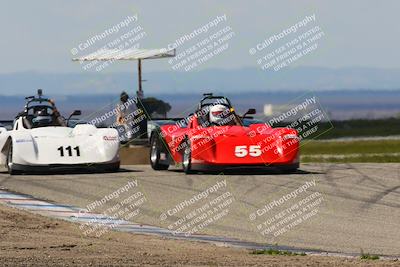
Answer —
142 134
140 91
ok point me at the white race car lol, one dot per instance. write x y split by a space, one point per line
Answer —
41 141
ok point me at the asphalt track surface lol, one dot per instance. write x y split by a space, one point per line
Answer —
359 205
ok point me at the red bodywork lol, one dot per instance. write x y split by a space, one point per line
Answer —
256 145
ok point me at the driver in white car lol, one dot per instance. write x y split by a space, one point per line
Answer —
43 118
221 115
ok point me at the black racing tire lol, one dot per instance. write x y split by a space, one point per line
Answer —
9 161
114 167
290 169
157 147
187 158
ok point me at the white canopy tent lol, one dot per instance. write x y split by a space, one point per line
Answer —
128 54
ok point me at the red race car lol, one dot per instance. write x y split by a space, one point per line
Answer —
214 137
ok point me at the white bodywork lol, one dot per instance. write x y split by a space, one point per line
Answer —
61 146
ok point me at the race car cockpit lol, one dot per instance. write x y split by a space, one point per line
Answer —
218 111
41 112
42 116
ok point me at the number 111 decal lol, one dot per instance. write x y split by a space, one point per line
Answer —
69 149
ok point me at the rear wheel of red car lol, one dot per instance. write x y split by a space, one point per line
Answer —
187 158
156 150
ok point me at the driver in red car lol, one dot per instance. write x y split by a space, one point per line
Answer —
221 115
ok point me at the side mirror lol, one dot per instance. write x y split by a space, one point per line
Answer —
251 111
75 113
3 130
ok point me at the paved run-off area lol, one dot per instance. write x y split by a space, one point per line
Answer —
357 206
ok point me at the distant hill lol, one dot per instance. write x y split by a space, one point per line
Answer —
340 104
231 81
345 93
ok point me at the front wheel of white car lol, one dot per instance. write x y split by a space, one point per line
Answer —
9 161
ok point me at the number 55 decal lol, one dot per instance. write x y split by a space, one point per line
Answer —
243 151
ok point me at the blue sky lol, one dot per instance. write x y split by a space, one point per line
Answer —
38 35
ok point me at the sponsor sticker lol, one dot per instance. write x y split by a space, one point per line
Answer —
23 141
110 138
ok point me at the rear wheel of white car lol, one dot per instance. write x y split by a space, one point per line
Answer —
187 158
9 161
158 153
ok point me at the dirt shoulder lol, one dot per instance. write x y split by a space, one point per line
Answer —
33 240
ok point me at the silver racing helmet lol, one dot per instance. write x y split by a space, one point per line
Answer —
219 114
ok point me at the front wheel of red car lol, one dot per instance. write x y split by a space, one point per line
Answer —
156 152
187 158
